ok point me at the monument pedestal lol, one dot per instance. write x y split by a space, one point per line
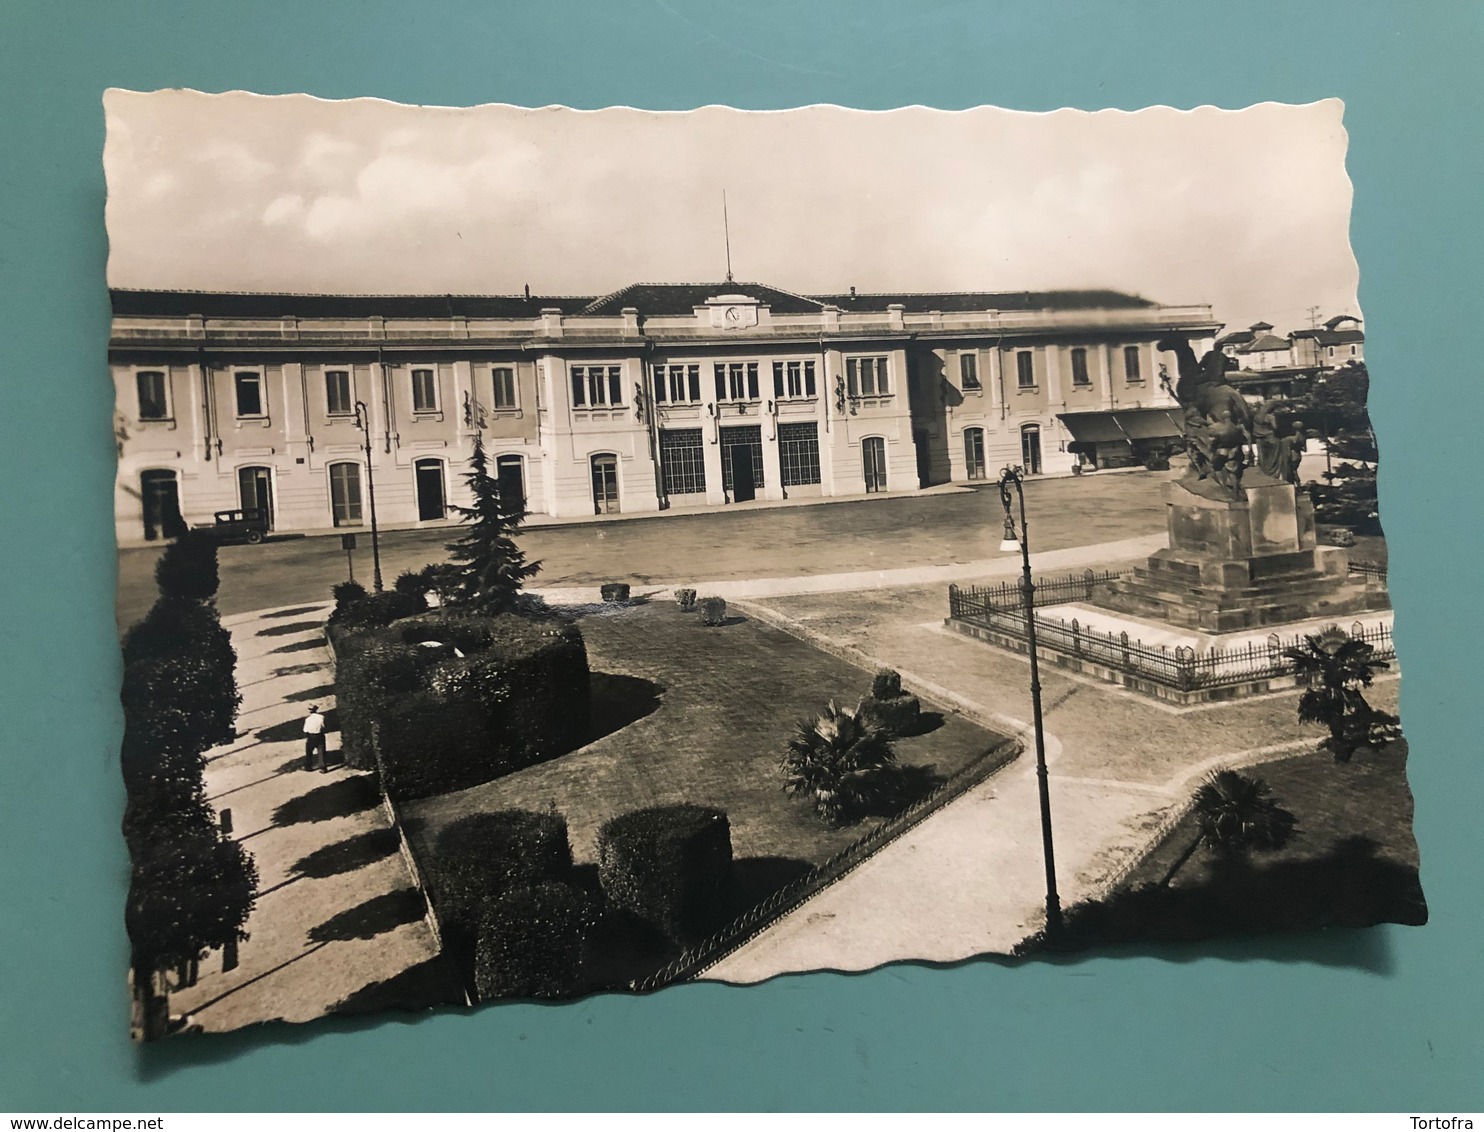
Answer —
1235 564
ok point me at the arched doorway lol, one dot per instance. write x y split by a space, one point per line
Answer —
159 491
428 476
1030 449
873 463
605 483
974 453
255 491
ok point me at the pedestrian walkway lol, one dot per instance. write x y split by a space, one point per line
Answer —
336 910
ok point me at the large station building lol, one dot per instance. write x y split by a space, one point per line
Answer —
657 397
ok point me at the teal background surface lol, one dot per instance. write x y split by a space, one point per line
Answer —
1387 1019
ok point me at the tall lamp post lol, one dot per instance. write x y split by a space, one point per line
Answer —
363 422
1011 486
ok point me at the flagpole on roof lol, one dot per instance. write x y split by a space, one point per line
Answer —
726 233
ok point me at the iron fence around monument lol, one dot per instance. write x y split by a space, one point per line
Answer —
1179 667
1048 591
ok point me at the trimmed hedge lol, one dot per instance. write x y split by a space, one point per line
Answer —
531 943
485 856
713 610
432 720
669 865
886 684
615 591
192 662
373 611
188 567
687 600
901 715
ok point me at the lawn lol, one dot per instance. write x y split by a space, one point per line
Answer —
705 714
1352 864
686 713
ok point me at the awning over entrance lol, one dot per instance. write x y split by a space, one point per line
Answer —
1107 426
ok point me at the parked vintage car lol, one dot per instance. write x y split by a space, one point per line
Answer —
240 526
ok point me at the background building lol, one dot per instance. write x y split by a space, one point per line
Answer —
655 397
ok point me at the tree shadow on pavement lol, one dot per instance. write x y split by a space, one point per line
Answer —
301 646
333 800
291 627
372 918
297 611
309 695
431 983
349 855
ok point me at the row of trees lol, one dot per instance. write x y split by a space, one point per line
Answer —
192 887
1336 409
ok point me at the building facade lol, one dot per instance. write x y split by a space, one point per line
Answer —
655 397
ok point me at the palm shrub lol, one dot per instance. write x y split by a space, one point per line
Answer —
1235 814
488 568
1336 666
838 761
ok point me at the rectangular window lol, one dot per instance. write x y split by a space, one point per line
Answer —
424 391
249 394
798 453
866 377
1079 367
683 461
596 386
154 403
968 371
1131 372
677 385
1025 369
737 381
338 402
793 379
504 381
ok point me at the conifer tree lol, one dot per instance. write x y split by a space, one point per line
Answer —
488 567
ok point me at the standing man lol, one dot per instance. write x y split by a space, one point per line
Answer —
314 741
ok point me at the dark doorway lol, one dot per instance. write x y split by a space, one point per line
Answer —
873 460
160 493
430 502
742 461
510 474
1030 449
255 489
605 485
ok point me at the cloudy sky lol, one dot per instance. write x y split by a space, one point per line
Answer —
1247 210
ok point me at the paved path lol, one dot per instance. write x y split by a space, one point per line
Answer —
1007 565
324 927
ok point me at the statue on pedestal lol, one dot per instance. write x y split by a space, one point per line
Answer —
1218 424
1278 441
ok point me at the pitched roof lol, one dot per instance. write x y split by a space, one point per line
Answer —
1235 338
1331 337
255 304
682 298
1331 324
1264 343
951 301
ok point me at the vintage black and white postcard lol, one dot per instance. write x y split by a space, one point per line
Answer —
564 552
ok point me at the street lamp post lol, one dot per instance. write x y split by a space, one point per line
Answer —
1012 482
363 422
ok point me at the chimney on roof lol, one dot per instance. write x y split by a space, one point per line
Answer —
528 290
852 292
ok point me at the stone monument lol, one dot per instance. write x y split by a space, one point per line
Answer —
1242 552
